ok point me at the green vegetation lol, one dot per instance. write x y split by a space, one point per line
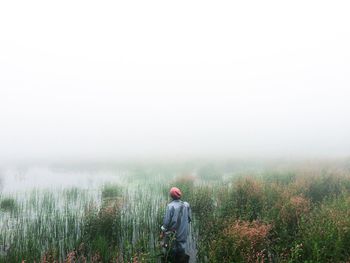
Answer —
285 215
8 204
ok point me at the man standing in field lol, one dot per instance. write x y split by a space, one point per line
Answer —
175 227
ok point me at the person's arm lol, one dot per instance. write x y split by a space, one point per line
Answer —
189 214
167 218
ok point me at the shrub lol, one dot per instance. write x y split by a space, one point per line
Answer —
325 234
317 187
102 231
244 200
203 209
242 241
111 191
293 210
8 204
209 173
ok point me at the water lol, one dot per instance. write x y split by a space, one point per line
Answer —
15 180
54 196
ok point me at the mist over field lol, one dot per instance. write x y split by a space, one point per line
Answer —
106 106
81 80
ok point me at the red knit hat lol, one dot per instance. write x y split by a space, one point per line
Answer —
175 193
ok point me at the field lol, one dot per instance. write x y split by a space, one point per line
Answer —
242 211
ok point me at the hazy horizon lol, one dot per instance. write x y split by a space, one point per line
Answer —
136 80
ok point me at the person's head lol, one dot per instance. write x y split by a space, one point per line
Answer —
175 193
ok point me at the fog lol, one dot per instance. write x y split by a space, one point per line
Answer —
160 79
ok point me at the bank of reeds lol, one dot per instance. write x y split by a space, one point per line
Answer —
284 216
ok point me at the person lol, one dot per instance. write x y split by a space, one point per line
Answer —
176 223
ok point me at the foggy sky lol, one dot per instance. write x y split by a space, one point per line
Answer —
117 79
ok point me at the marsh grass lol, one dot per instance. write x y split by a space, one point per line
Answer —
283 216
8 204
242 241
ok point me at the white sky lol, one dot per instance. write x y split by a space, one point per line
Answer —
174 78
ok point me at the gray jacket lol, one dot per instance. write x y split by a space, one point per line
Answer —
174 221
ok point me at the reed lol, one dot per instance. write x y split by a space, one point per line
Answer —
284 216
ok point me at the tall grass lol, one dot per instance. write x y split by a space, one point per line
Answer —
290 215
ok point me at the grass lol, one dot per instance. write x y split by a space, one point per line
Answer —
291 215
7 204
